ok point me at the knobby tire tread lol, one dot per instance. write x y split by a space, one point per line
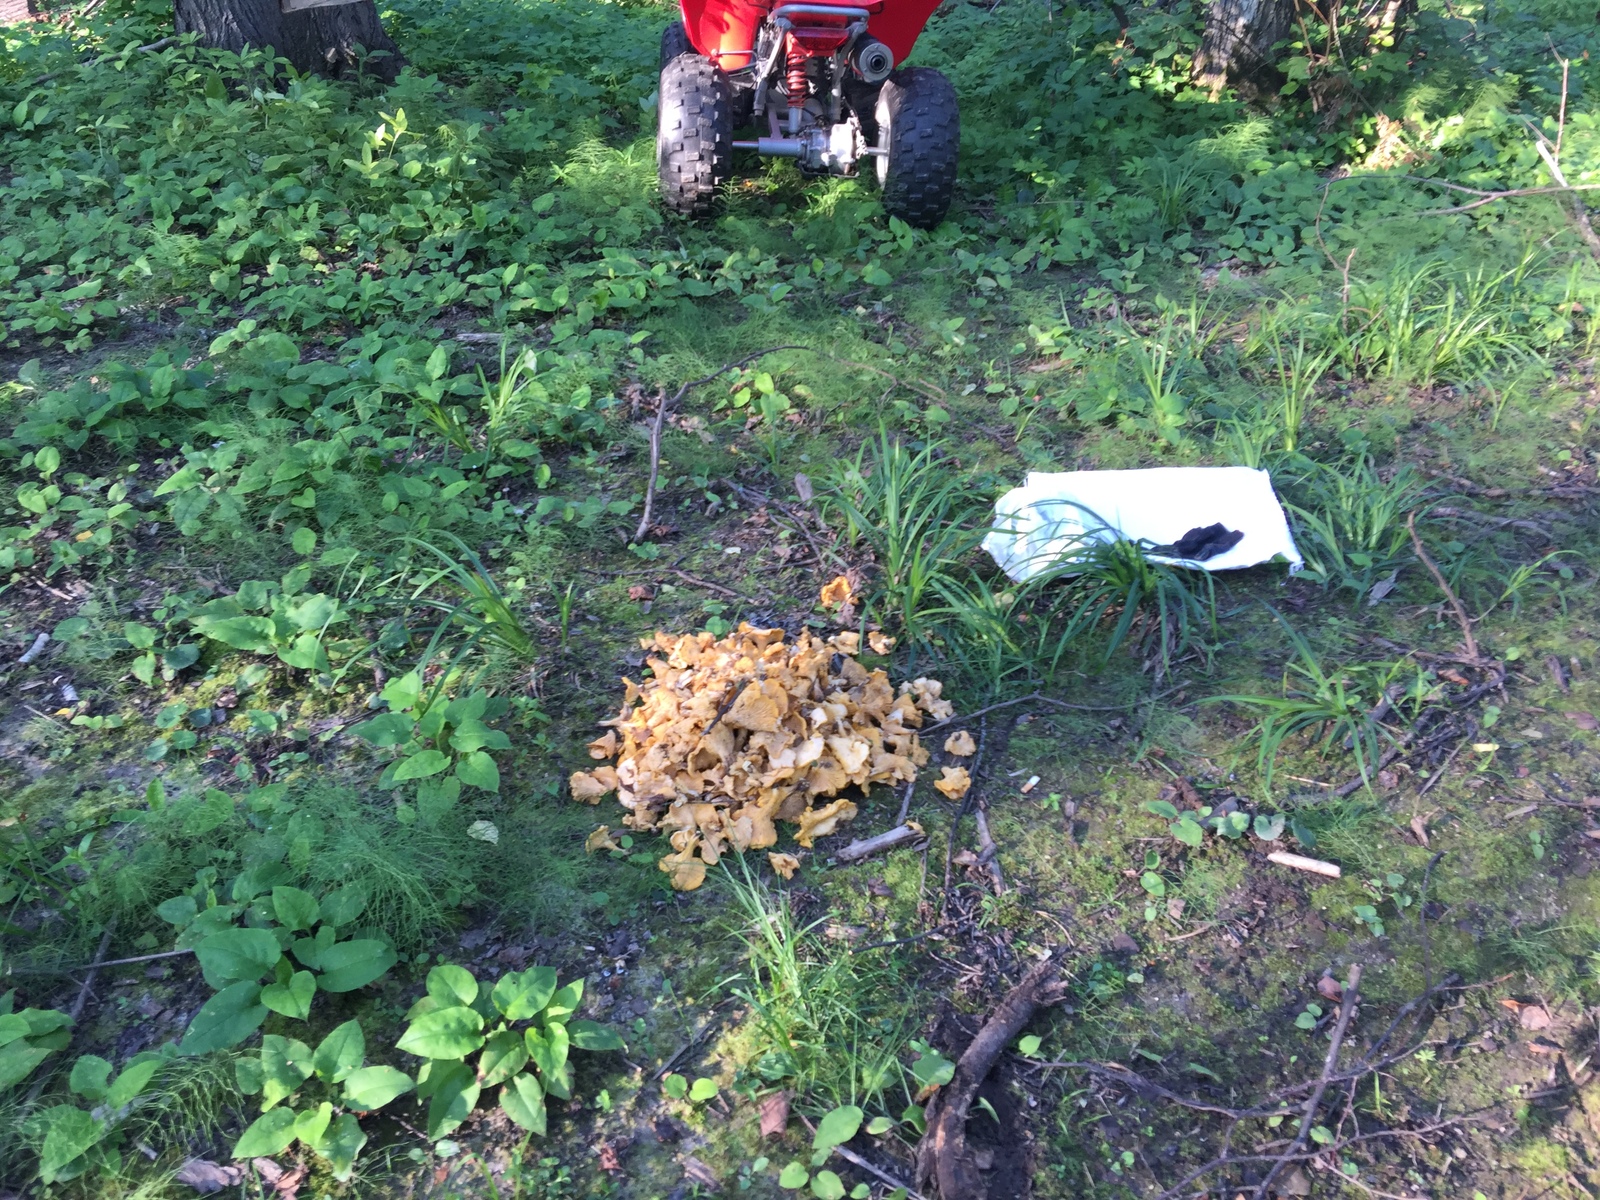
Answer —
694 139
919 110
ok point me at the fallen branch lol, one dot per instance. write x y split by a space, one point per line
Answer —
988 851
1037 698
82 1000
1347 1007
663 407
861 848
1438 577
942 1155
33 651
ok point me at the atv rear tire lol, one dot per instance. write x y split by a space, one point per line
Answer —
694 139
919 124
674 43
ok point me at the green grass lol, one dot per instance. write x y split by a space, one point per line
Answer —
398 344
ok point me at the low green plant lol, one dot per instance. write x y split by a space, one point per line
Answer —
824 1024
441 744
289 938
262 618
1336 707
524 1021
1116 580
915 513
834 1129
28 1036
77 1141
483 608
1352 530
324 1088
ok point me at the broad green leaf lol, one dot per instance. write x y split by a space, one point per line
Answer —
135 1077
292 999
44 1020
1187 830
242 633
90 1077
825 1185
285 1064
226 1019
309 950
340 1144
12 1027
373 1087
793 1177
523 1100
455 1095
880 1125
305 653
421 765
386 729
180 910
932 1069
312 1123
296 910
477 769
1269 829
237 955
1029 1046
353 964
270 1134
452 984
504 1054
565 1002
443 1033
702 1090
248 1074
548 1050
340 1053
591 1035
71 1133
1162 808
837 1127
521 995
403 691
345 905
309 613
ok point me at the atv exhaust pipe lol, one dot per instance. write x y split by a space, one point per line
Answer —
871 59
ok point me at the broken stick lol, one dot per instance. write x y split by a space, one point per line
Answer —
1300 863
861 848
942 1156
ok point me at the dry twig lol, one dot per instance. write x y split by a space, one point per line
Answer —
663 407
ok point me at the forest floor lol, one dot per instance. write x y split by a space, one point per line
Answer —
275 450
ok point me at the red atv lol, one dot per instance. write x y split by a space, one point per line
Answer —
818 82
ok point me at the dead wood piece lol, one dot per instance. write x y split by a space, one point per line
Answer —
988 851
33 651
1449 595
943 1159
1300 863
861 848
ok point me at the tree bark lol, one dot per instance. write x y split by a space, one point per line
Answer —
1237 46
324 39
15 11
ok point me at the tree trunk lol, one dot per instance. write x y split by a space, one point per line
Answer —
324 39
1237 46
14 11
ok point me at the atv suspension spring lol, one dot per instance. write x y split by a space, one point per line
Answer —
796 85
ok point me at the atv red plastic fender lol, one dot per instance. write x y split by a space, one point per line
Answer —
725 30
